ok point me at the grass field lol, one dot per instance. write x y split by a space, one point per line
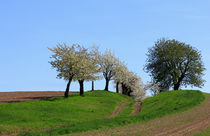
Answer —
154 107
42 114
186 123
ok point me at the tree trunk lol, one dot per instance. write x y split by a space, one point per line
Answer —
122 88
117 87
92 85
81 84
107 85
126 90
177 85
129 92
66 94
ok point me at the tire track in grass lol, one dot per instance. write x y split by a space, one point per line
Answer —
118 109
137 108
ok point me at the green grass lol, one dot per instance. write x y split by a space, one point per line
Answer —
36 115
154 107
204 133
170 102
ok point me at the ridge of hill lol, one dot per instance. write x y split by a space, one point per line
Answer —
164 104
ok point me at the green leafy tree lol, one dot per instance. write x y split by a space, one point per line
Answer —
174 64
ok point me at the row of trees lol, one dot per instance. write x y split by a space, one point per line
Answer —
128 83
76 63
171 64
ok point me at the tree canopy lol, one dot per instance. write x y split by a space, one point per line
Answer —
108 62
127 82
174 64
75 63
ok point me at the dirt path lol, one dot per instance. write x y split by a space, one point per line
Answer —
185 123
117 110
137 108
9 97
188 129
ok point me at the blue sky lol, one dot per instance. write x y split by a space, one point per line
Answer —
128 28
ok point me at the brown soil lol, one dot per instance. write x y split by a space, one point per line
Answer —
188 129
137 108
9 97
185 123
117 110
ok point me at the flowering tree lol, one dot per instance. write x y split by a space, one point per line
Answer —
81 64
74 63
94 54
153 88
128 83
134 87
120 76
65 61
107 62
88 66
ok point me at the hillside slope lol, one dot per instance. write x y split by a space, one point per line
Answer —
57 112
164 104
187 123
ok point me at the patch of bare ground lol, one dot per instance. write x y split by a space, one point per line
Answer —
185 123
117 110
9 97
137 108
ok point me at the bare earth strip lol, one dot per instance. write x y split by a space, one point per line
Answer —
117 110
137 108
185 123
8 97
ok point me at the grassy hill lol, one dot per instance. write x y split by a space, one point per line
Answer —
194 121
154 107
49 113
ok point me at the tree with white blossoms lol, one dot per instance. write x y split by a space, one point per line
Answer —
66 63
74 63
134 87
89 67
153 88
107 62
94 53
128 83
120 72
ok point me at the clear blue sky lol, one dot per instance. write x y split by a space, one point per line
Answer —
128 28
